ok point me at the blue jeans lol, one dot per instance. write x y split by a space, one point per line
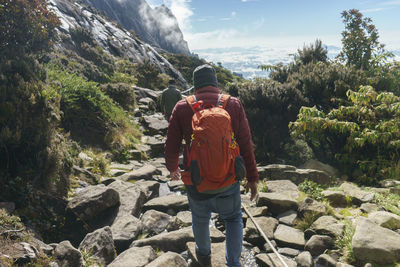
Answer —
228 205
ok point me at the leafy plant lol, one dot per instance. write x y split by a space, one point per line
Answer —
389 202
306 221
311 188
364 135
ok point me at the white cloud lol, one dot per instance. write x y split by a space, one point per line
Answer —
244 1
372 10
182 11
391 3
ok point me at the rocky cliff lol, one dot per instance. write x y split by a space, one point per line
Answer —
110 36
157 26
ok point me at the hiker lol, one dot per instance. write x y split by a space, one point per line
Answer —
203 197
169 97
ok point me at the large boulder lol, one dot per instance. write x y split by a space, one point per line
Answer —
328 225
154 222
267 225
272 260
145 172
100 245
65 255
124 230
358 195
385 219
375 244
134 257
276 202
288 236
170 204
93 200
132 198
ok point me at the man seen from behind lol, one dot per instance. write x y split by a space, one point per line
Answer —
225 201
169 97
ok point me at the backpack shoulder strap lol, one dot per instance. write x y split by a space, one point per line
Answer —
191 100
223 100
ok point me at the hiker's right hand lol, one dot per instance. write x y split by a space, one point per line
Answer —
252 186
175 175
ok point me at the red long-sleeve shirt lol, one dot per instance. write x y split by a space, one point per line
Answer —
180 127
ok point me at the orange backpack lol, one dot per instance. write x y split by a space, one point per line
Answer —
214 159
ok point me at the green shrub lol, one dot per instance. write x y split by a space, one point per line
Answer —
121 93
25 27
90 115
312 189
364 135
269 106
148 76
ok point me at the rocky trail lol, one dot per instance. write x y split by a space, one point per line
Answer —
138 217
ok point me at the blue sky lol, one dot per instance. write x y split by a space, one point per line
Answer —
275 27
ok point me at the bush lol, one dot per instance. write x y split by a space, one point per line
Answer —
25 27
364 135
32 153
121 93
90 115
148 76
270 106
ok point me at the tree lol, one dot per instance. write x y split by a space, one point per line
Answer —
25 27
313 53
360 40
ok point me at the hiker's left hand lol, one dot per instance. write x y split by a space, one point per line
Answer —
252 186
175 175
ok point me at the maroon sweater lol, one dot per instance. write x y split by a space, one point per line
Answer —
180 127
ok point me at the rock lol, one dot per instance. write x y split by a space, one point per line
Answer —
279 186
124 230
251 234
182 219
170 204
375 244
326 261
276 203
132 198
27 253
327 225
134 257
389 183
92 201
299 175
368 207
47 249
317 244
146 172
275 171
168 259
256 211
217 254
150 188
154 222
156 144
85 157
271 260
176 240
317 165
288 236
290 252
65 255
288 217
385 219
155 125
304 259
311 206
100 245
335 198
358 196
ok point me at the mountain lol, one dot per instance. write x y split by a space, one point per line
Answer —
157 26
110 36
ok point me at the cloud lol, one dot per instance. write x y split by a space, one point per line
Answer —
182 11
391 3
372 10
233 14
245 1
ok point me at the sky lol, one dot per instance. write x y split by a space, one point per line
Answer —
231 31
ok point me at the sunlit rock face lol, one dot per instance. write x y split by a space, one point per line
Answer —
110 36
157 26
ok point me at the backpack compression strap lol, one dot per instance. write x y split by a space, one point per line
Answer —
194 103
